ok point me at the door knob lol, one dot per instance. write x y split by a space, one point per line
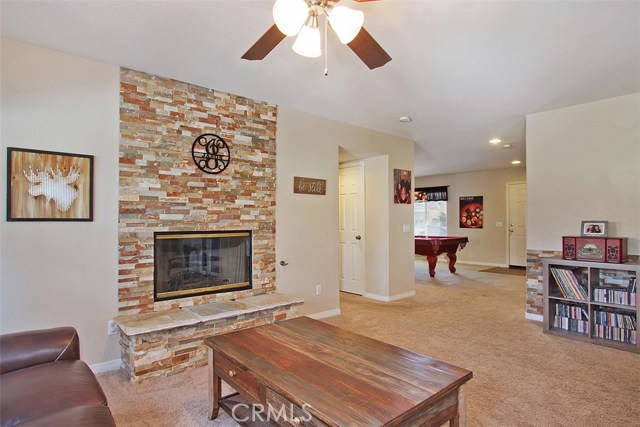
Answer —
283 263
358 237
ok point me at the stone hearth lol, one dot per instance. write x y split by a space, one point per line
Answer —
170 341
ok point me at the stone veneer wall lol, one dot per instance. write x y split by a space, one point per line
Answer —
535 279
162 190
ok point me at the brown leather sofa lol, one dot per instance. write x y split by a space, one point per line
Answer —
43 382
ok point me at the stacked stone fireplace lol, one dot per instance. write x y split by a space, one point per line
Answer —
162 191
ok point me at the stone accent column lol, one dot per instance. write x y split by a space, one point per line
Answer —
535 303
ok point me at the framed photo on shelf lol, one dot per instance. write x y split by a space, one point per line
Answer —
49 186
594 228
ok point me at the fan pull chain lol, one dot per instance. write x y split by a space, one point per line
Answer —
326 49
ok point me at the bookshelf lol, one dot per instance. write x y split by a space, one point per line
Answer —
592 301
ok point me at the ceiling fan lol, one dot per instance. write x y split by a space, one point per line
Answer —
300 17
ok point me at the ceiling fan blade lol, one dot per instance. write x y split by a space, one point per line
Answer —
265 44
368 50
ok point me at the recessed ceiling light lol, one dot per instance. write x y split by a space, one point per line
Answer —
516 162
507 145
495 141
404 119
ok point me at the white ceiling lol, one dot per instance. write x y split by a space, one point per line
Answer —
465 71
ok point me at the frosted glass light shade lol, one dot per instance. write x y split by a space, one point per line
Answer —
308 41
346 22
289 15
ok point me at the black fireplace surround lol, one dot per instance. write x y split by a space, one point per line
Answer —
190 263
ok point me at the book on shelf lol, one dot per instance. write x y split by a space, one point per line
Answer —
571 318
617 296
615 326
621 290
569 284
614 319
617 278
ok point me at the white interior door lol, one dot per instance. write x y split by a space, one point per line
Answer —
351 228
517 195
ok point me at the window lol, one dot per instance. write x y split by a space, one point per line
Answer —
430 211
430 218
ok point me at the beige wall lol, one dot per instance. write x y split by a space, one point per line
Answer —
377 226
488 245
61 273
57 273
584 164
307 225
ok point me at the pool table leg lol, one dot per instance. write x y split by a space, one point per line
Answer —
432 260
452 261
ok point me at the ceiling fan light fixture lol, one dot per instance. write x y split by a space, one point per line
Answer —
346 22
308 41
289 15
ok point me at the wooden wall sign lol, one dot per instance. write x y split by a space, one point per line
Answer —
303 185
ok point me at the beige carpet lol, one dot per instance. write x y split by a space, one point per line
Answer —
522 377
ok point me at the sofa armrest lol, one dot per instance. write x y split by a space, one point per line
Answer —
23 349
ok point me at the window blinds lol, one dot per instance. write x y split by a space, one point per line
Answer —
432 194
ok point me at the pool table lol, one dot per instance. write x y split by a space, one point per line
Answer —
432 246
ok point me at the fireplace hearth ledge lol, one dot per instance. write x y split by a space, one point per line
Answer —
137 324
171 341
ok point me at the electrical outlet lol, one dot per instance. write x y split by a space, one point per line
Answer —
112 328
318 289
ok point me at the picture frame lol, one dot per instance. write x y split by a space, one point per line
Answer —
49 185
402 186
471 213
594 228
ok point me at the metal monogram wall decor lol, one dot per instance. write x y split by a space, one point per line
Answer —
210 153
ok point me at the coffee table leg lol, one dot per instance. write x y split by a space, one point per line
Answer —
460 420
214 388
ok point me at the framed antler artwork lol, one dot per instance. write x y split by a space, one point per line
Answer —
49 186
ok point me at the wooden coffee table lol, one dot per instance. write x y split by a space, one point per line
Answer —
306 372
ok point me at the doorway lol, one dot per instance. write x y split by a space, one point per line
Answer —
517 220
351 227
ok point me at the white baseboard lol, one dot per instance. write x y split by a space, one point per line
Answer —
535 317
324 314
390 298
487 264
111 365
445 260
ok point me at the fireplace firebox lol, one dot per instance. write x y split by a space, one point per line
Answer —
191 263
